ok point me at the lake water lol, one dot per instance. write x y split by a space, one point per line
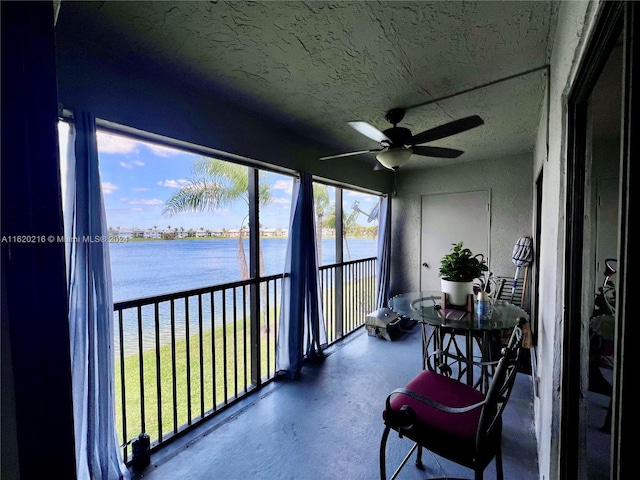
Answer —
145 268
142 269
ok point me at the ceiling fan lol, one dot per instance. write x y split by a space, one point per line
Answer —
398 143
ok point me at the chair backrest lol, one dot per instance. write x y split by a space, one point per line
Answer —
495 287
500 387
492 285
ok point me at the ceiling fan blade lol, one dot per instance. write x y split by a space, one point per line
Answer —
370 131
437 152
446 130
349 154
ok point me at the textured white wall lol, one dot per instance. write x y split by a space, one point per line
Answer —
510 183
574 22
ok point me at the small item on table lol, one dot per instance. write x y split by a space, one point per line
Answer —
483 305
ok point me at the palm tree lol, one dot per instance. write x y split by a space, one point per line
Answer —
349 225
322 204
217 184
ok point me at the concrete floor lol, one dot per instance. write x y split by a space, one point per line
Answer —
328 424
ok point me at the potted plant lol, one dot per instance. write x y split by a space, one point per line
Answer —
458 270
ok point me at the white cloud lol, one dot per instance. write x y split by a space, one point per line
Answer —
353 193
140 189
282 201
109 143
285 185
108 188
162 151
173 183
146 201
131 164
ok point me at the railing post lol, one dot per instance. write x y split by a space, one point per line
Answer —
256 354
338 300
255 274
339 290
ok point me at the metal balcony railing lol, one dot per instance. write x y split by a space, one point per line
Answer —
182 357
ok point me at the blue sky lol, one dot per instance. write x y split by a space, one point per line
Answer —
139 177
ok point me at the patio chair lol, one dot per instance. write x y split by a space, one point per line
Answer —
452 419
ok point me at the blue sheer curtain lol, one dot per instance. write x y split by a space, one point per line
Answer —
98 455
302 331
383 267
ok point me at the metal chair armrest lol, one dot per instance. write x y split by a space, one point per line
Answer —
431 402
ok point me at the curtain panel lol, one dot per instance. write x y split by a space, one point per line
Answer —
36 406
98 454
302 331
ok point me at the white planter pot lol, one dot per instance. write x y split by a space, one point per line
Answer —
457 291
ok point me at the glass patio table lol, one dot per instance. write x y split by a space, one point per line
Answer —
455 341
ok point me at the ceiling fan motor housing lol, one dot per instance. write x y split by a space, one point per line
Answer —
399 136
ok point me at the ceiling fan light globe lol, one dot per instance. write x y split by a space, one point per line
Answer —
394 158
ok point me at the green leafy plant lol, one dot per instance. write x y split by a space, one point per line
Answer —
461 265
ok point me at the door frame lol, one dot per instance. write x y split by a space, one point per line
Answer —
613 18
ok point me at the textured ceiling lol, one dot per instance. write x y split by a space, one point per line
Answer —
317 65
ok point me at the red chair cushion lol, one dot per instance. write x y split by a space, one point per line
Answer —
452 435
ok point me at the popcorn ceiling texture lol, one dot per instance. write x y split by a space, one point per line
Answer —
314 66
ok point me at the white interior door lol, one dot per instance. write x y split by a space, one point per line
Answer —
448 219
